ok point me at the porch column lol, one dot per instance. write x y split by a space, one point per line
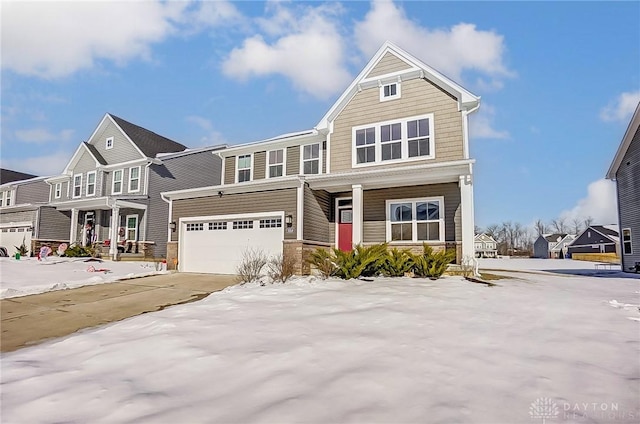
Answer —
468 223
73 231
300 211
357 211
115 225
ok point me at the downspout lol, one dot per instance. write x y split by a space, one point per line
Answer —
146 193
465 128
162 196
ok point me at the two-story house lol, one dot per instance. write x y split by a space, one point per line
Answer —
485 246
388 162
625 171
596 239
111 187
552 246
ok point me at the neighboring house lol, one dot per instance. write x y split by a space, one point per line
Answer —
389 162
111 187
552 246
625 171
24 214
485 246
596 239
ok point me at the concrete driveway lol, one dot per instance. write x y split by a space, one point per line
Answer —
32 319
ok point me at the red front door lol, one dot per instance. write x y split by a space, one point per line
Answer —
345 219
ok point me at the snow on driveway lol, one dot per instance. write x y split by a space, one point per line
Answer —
30 276
392 350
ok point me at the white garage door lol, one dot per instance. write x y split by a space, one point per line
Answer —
12 235
217 244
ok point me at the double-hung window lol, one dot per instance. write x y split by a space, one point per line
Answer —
627 248
276 163
244 168
5 198
311 159
418 137
77 185
8 199
366 145
116 186
57 192
415 220
91 183
391 141
134 179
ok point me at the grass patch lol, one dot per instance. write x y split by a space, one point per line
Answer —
489 277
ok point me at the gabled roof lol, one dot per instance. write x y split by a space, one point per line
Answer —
149 143
632 129
95 153
553 238
607 230
9 176
417 69
84 146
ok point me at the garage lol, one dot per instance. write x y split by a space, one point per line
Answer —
216 244
13 234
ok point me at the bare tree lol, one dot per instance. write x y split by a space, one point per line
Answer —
559 225
576 225
540 227
588 221
492 230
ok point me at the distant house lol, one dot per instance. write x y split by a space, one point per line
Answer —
596 239
625 171
485 246
552 246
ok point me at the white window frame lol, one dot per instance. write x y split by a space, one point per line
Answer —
250 168
284 163
303 160
126 227
398 94
114 181
8 196
625 242
404 140
134 179
79 185
108 144
414 221
95 182
57 191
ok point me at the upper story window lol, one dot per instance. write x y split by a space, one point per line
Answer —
91 183
57 191
134 179
244 168
626 241
389 91
415 220
393 141
116 184
275 159
311 159
77 185
109 143
5 198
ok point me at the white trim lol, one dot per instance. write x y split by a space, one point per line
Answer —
126 228
223 168
466 210
113 181
73 180
129 163
629 134
244 169
16 224
106 115
76 157
414 221
130 190
328 143
357 217
404 141
57 190
337 216
146 178
282 141
284 162
302 160
630 240
108 144
398 94
95 183
300 211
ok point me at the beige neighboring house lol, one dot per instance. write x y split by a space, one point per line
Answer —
485 246
388 162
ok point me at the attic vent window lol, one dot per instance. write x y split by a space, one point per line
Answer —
389 91
109 143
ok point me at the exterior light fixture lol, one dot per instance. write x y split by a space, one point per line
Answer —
172 225
220 193
288 220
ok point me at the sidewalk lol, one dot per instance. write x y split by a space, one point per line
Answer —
32 319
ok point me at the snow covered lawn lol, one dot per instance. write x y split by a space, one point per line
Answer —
388 351
30 276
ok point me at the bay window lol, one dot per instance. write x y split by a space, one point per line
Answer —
415 220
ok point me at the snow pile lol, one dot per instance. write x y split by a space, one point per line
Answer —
392 350
30 276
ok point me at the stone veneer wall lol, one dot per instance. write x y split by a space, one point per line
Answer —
172 255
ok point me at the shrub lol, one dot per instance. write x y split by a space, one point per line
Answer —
22 249
397 262
323 261
360 262
250 268
432 264
77 251
281 268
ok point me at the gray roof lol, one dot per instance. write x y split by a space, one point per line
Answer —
147 141
606 230
9 176
554 237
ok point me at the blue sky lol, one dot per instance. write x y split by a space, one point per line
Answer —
558 81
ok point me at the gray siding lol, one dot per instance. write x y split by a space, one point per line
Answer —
265 201
628 184
541 248
34 192
85 164
123 150
317 207
53 224
293 160
63 194
23 216
190 171
230 170
259 163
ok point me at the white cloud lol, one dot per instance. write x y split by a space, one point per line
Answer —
452 51
621 108
308 49
212 137
46 165
600 204
56 39
41 135
481 124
